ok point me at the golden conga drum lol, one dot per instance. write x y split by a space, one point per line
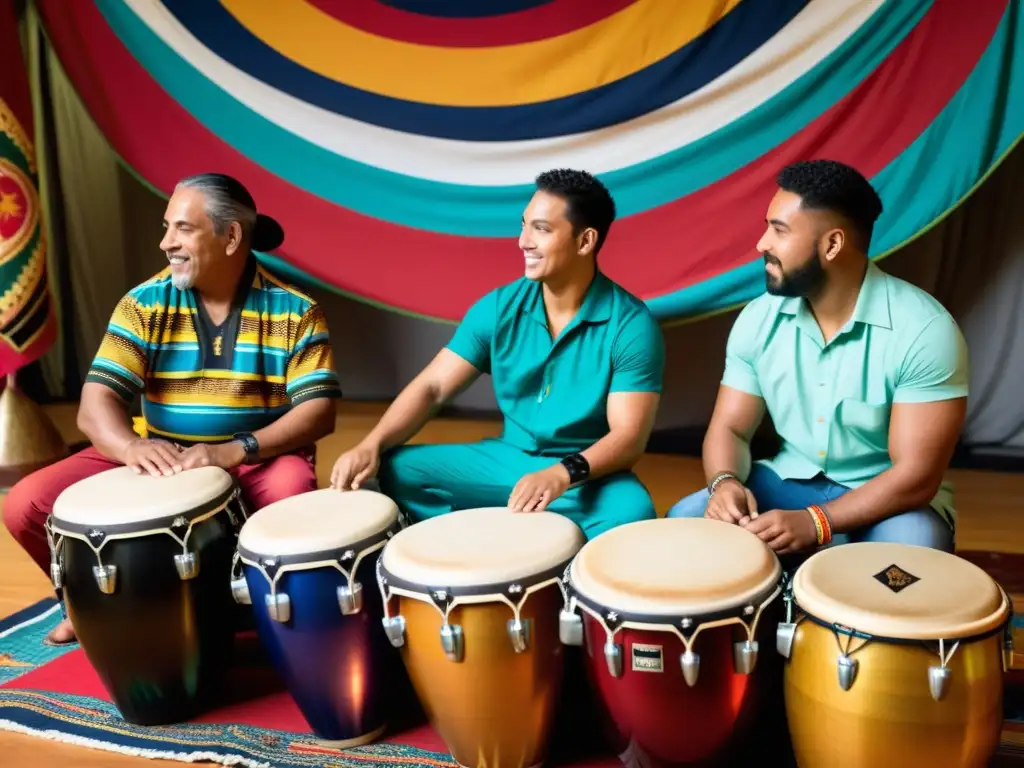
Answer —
896 656
472 599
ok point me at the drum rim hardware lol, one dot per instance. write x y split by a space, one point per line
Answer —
613 621
178 526
939 676
345 559
512 593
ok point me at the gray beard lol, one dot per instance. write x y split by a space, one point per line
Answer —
182 282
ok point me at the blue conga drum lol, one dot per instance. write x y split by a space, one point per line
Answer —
307 565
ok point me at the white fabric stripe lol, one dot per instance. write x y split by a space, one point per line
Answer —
812 35
34 620
108 746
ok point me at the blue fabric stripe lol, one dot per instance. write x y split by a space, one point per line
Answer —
744 29
37 609
208 425
464 9
495 211
984 120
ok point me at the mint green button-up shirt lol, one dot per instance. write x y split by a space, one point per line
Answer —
553 393
830 403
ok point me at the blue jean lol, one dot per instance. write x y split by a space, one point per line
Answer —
922 527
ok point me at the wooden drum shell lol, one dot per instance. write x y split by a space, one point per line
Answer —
888 716
495 707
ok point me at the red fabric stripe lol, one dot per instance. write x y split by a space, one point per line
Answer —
549 20
263 703
679 244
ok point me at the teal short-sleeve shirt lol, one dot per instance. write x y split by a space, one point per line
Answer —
553 394
831 403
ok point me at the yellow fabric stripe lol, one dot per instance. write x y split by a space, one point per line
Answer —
214 373
614 47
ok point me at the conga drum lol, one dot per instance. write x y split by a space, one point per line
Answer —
473 600
895 657
144 565
307 565
669 613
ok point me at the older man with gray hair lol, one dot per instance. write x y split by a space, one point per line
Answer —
233 367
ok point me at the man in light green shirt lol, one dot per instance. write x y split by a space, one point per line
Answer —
865 377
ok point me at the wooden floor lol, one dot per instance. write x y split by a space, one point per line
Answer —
989 503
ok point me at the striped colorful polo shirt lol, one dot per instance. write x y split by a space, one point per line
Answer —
205 383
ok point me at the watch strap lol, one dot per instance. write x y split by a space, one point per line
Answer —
577 467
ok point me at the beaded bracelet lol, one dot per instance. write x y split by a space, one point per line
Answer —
822 525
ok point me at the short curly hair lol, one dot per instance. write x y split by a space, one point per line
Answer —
834 186
588 201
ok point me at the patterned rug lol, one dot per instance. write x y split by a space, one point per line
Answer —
54 693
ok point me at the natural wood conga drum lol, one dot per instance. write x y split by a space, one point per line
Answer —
895 657
473 600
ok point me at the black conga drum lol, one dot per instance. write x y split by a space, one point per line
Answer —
144 564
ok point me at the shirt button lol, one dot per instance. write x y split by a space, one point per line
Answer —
821 453
821 419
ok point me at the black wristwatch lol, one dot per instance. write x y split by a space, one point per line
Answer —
251 446
578 468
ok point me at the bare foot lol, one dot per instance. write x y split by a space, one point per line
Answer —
62 634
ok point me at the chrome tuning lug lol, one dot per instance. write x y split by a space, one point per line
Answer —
784 638
452 642
690 662
279 606
519 634
847 668
744 656
938 681
613 657
394 628
187 565
106 578
240 591
570 628
350 600
56 575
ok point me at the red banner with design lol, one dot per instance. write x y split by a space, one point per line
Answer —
27 322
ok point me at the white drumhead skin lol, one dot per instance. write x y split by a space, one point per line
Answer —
317 521
675 567
119 496
950 598
474 547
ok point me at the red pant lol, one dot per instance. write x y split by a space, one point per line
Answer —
30 502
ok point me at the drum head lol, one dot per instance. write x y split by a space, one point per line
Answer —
317 521
899 591
475 547
120 497
675 567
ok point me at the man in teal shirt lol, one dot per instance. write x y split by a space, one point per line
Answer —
577 366
864 375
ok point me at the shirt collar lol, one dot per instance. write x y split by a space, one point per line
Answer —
872 306
596 307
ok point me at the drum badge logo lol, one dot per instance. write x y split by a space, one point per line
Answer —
895 578
647 658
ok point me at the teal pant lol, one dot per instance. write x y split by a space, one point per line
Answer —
430 480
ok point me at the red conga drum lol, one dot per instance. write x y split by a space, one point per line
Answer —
670 616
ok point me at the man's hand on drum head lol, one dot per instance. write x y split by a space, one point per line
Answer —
536 490
355 467
157 457
731 502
